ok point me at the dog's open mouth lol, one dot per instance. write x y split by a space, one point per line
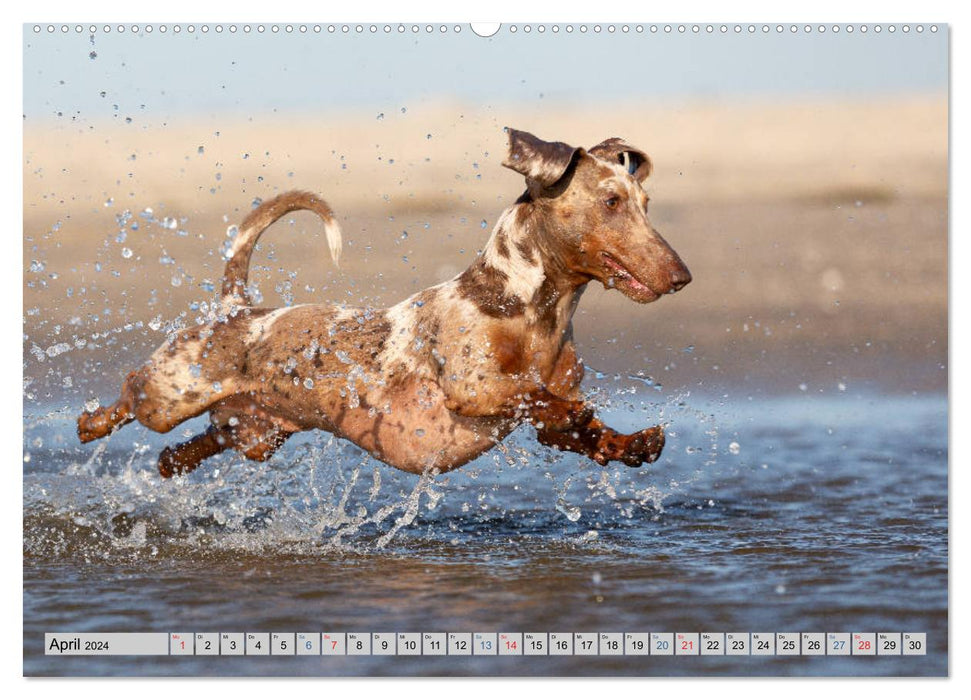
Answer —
623 279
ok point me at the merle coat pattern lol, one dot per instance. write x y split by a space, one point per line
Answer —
441 377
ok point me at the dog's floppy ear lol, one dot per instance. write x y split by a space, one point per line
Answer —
616 150
543 162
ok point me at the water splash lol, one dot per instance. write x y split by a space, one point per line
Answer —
322 492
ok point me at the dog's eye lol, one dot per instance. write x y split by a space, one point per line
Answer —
612 202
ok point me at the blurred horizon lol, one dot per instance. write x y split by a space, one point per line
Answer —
154 78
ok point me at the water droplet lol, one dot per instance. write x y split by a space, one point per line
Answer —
93 55
233 421
380 116
201 150
58 349
483 224
126 253
420 432
734 448
308 383
572 513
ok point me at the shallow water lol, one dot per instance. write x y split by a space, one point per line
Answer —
823 512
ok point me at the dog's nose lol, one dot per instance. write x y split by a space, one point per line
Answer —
680 277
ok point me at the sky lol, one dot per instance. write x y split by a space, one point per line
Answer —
99 75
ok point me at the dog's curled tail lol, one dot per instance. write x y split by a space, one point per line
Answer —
241 247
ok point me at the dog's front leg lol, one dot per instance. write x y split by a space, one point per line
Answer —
564 421
569 424
539 407
603 444
546 410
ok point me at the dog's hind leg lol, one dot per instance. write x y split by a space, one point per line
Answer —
259 445
104 420
186 456
255 438
256 433
142 400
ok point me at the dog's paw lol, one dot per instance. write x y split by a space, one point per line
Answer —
643 446
96 424
85 431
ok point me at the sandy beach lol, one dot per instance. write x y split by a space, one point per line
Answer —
816 232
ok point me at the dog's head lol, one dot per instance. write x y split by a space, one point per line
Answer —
593 214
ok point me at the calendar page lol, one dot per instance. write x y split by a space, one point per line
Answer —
611 348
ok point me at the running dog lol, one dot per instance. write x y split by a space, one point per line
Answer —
436 380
